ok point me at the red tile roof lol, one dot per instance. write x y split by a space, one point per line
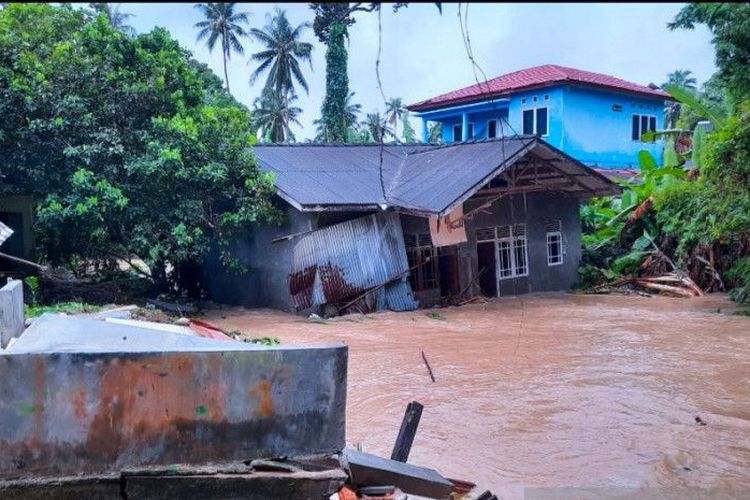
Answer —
536 77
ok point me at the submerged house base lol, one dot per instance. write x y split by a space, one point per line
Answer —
369 228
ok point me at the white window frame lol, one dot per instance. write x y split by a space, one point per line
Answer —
512 241
552 259
535 128
640 131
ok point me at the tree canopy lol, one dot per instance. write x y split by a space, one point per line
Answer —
130 146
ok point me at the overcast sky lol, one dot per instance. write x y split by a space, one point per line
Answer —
423 53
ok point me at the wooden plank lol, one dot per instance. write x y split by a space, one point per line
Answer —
408 430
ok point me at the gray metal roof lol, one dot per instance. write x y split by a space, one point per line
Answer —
420 178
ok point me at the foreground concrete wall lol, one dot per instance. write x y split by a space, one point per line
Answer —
90 413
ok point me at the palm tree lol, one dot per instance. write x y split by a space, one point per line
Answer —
682 78
272 116
351 112
378 127
394 111
282 54
117 18
222 22
436 133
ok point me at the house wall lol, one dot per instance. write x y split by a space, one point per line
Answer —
607 140
582 122
534 210
412 225
266 282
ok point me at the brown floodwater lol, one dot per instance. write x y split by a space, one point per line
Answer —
549 390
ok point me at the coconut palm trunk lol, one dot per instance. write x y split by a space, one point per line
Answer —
226 75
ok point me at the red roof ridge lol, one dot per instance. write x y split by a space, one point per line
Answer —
534 77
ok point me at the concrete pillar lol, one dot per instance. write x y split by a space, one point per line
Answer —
11 311
464 126
425 131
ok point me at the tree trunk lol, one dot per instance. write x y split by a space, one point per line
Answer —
226 76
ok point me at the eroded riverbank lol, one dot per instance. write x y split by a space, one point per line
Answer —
549 390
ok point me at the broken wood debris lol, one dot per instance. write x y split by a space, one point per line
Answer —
427 364
487 495
673 284
406 433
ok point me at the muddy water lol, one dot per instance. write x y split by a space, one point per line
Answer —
550 390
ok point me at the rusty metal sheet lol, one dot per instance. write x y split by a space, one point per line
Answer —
337 263
74 413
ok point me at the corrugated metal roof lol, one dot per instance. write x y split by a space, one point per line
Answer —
338 263
424 178
5 233
536 77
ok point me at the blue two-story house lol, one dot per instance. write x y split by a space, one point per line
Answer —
595 118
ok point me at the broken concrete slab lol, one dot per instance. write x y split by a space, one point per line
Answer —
93 411
165 327
12 320
370 470
63 333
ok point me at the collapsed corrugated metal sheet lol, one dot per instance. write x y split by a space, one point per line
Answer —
338 263
5 233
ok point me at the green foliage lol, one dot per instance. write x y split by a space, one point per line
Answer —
698 153
61 308
739 274
730 25
269 341
394 112
728 157
32 283
129 146
701 107
337 85
409 134
273 116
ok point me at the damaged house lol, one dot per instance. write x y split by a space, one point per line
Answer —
370 227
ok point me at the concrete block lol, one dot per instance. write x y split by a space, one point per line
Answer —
12 321
65 413
255 486
371 470
62 488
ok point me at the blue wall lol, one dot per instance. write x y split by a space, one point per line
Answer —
582 122
597 135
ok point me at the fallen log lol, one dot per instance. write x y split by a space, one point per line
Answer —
676 290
